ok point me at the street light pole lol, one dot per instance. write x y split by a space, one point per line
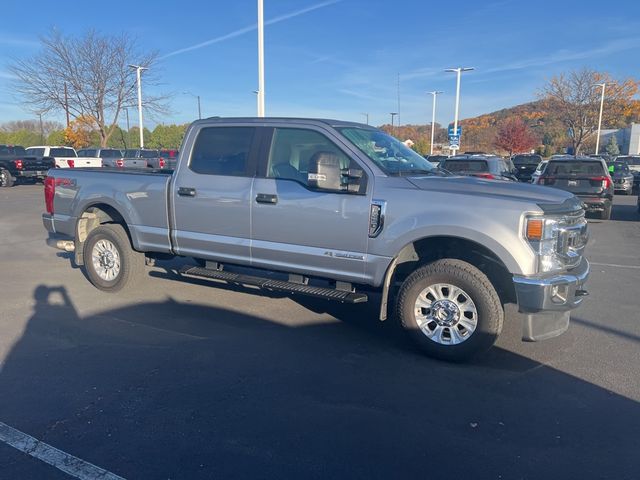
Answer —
458 71
41 129
435 93
260 59
393 114
367 117
139 70
603 85
198 98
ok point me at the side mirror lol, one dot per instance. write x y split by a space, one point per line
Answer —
325 174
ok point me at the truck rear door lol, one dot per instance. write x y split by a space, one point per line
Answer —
301 229
212 191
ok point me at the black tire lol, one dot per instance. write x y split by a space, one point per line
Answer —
131 263
489 313
6 180
606 213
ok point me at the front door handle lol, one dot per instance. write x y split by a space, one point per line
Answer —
267 198
186 192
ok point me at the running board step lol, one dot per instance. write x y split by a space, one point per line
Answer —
274 285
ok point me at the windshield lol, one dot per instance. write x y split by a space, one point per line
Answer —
618 167
62 152
130 153
527 160
148 153
391 155
11 150
568 167
630 160
110 153
467 166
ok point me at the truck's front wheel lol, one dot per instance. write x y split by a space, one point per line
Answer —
109 261
450 309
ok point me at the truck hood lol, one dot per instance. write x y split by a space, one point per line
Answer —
546 197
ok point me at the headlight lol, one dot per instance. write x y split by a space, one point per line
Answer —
558 241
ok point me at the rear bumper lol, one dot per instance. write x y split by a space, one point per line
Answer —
59 224
30 173
595 203
546 302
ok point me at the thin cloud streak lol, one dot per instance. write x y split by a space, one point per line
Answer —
251 28
567 56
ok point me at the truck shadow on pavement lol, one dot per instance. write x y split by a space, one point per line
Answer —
182 390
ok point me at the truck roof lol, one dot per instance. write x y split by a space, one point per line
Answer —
292 120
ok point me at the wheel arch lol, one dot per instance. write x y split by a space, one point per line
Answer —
428 249
94 215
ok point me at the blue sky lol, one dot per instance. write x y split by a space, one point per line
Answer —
342 58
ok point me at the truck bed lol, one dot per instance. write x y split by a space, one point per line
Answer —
139 195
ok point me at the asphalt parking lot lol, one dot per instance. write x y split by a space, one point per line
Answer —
178 380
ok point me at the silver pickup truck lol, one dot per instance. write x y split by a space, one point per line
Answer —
340 211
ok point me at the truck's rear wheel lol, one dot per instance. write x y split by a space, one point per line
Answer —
109 261
450 309
6 180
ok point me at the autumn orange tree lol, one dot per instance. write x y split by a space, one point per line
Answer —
574 99
78 133
515 136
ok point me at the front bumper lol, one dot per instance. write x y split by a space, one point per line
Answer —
546 302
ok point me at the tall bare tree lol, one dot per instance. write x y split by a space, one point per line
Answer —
95 71
574 99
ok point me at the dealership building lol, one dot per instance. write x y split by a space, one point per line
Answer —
628 139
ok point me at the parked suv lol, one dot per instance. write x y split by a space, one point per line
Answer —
587 178
634 165
526 165
622 177
483 166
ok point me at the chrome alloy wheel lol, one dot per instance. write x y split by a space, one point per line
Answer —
446 314
106 260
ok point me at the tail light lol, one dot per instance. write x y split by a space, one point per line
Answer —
604 180
18 163
546 180
120 162
49 193
161 163
71 163
486 176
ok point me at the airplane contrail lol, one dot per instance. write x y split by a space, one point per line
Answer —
250 28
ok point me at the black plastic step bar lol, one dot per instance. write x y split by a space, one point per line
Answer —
274 285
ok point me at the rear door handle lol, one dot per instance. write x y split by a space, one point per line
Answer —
266 198
186 192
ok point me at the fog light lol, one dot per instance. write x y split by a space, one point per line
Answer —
559 294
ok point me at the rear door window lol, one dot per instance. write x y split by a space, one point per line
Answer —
223 151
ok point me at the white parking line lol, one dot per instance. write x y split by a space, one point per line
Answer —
69 464
614 265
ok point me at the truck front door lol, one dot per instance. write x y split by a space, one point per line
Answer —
297 228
